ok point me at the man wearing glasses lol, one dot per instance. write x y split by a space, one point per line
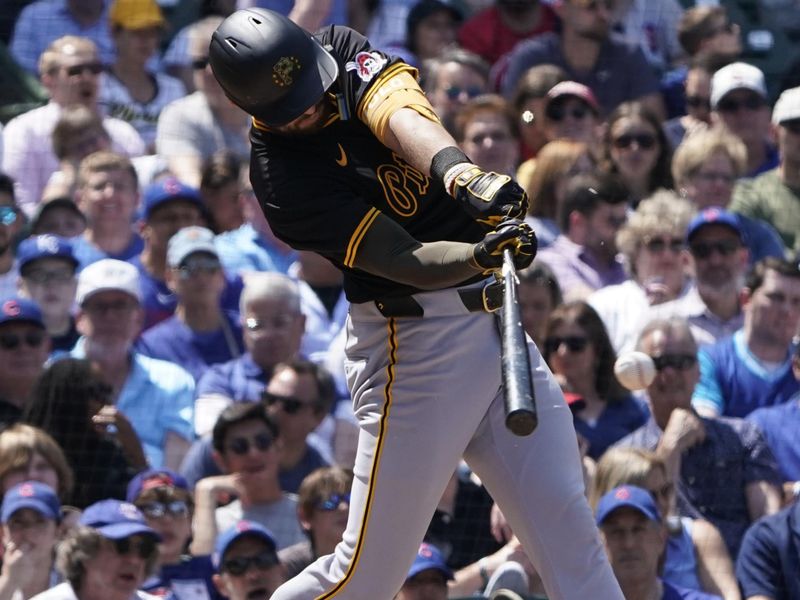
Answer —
247 563
248 450
723 468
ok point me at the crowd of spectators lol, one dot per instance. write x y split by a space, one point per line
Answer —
174 413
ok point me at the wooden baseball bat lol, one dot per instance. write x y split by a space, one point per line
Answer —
520 400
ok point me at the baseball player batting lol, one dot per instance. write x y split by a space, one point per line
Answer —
350 161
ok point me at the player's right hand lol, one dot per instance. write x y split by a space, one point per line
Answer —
516 235
489 197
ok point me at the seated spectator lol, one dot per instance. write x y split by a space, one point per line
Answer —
193 128
774 195
247 448
529 101
71 403
705 168
719 262
108 555
69 70
767 563
58 216
488 133
780 425
724 470
322 505
695 557
653 244
29 454
78 133
155 395
586 50
453 78
130 90
538 295
247 563
652 26
571 112
47 268
11 223
428 576
200 333
578 351
165 500
634 538
739 101
108 194
31 516
636 149
556 163
431 29
584 256
221 188
753 367
24 347
693 91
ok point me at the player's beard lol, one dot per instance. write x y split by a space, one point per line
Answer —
310 124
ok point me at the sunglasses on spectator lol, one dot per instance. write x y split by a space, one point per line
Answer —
144 546
119 308
722 247
290 404
200 63
241 446
156 510
454 92
8 215
730 105
574 343
792 126
646 141
681 362
557 112
333 501
698 102
12 341
659 245
197 266
43 276
241 564
710 176
93 68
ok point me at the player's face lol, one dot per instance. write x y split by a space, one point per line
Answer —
427 585
291 401
311 121
256 583
36 469
673 385
109 197
719 259
489 142
772 312
634 545
24 348
31 532
52 284
273 330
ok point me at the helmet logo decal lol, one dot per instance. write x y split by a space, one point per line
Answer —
282 71
366 65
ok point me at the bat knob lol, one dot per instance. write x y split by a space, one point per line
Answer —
521 422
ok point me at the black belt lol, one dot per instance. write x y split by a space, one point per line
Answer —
489 298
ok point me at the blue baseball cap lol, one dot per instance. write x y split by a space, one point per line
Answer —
188 241
154 478
714 215
34 495
168 190
241 529
116 520
627 496
429 557
20 310
44 246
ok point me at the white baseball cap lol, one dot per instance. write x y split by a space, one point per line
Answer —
787 108
108 275
737 76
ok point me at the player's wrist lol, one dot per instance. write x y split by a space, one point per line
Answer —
447 164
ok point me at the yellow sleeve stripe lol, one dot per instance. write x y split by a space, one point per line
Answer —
358 236
383 77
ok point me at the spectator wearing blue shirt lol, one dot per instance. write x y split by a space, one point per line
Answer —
200 333
753 368
155 395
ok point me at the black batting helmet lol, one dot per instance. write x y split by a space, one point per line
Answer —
269 66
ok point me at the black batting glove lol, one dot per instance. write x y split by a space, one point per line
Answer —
516 235
489 197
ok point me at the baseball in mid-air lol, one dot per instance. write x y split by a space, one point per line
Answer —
635 370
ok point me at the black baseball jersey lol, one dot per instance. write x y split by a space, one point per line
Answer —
321 192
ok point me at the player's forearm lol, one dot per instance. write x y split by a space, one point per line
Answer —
416 138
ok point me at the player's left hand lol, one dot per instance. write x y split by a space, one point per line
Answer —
489 197
513 234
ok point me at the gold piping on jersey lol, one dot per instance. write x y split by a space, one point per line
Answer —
358 236
373 473
390 72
